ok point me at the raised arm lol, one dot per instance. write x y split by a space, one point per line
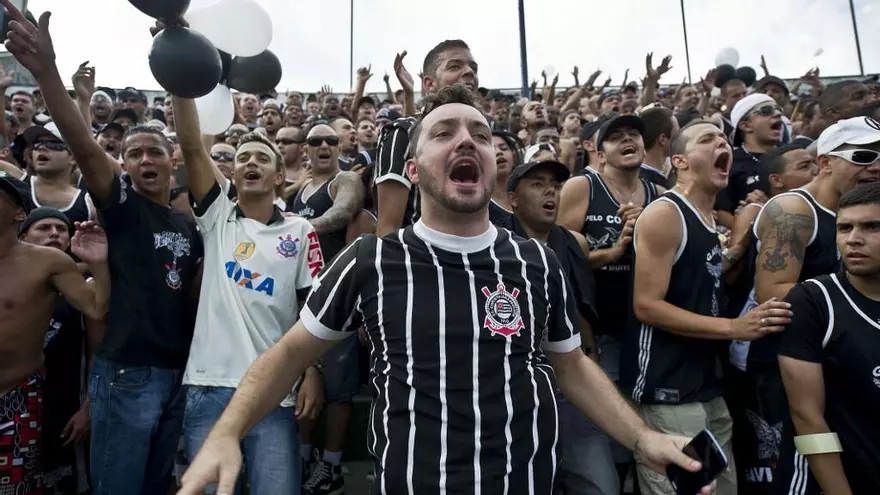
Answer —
785 228
90 245
348 200
32 47
199 166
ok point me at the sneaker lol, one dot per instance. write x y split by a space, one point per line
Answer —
326 479
308 466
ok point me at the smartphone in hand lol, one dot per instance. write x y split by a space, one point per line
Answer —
704 448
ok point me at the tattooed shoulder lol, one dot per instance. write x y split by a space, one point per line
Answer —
784 235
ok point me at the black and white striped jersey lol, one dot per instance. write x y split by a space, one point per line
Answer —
391 163
463 394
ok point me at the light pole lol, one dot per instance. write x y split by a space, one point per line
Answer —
852 13
687 53
523 57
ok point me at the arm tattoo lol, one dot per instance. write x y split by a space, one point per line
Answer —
787 233
349 199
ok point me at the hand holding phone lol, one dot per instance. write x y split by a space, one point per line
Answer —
704 448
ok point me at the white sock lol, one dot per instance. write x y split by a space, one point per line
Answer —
334 458
305 450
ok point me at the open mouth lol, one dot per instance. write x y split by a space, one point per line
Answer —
149 175
465 171
722 163
324 155
615 109
42 158
550 207
868 180
54 244
628 150
251 175
776 126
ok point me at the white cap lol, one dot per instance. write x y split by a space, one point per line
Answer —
534 149
857 130
746 105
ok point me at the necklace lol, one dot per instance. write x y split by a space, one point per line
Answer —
631 195
708 220
753 157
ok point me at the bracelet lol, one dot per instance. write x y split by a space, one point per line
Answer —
818 443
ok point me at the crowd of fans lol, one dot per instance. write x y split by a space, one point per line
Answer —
712 248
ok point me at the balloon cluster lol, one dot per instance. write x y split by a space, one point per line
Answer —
725 70
225 46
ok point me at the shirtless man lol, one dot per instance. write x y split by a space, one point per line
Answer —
33 276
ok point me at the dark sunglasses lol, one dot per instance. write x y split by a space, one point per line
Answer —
768 110
222 157
51 145
318 140
288 141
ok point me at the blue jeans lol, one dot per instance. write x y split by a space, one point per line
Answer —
342 372
270 449
586 467
136 421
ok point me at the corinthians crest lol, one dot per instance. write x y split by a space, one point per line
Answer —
502 311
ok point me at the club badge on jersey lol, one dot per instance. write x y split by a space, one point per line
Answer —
288 246
502 311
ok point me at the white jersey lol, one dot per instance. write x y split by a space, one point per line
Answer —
249 298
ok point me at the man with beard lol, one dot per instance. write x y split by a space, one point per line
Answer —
290 141
669 356
758 123
136 396
270 118
50 183
830 353
534 118
330 199
496 427
65 419
448 63
259 265
109 137
33 277
796 241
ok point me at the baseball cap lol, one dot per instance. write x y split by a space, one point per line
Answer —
607 95
110 126
32 133
124 113
17 189
746 105
559 170
857 130
130 91
589 130
387 113
764 81
108 91
368 100
609 126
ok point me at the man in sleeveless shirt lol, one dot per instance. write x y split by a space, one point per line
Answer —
796 241
330 199
830 355
669 360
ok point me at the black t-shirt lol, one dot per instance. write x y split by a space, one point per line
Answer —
154 253
743 179
499 216
653 176
837 326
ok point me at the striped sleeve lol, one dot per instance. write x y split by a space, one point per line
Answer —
391 155
331 309
563 334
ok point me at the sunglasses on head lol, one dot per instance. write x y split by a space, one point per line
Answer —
767 110
288 141
858 157
318 140
222 156
51 145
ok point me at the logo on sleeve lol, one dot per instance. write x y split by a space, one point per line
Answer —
316 258
288 246
502 311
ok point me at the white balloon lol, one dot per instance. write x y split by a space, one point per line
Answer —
216 111
238 27
550 71
728 56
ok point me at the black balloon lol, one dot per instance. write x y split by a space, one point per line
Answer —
724 73
167 10
185 63
746 75
227 60
254 74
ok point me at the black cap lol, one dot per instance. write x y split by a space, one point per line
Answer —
558 169
589 130
110 126
387 113
630 121
764 81
607 94
43 213
496 95
17 189
366 99
124 112
130 91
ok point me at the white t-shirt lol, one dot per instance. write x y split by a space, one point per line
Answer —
252 274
